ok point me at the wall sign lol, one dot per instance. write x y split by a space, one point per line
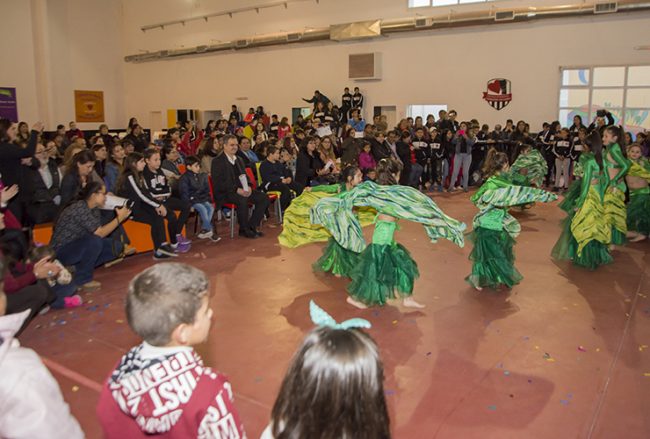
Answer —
498 93
8 104
89 106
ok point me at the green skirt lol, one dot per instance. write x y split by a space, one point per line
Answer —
593 255
638 213
570 197
336 259
382 271
493 259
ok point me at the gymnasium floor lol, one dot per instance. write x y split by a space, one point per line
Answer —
563 355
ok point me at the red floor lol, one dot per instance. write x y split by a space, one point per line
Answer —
563 355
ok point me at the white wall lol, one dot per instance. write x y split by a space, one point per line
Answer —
435 67
57 46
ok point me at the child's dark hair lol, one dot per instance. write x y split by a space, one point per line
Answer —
494 162
191 160
162 297
36 253
130 168
617 131
348 173
387 169
150 152
333 389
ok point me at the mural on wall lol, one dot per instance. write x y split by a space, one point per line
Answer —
89 106
8 104
498 93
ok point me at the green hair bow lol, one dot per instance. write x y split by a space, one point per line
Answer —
321 318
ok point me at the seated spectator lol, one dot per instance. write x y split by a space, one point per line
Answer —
366 160
211 148
231 185
138 138
284 128
194 189
327 156
43 186
73 132
11 156
101 155
80 240
70 152
333 389
192 138
32 404
146 209
168 306
247 154
380 148
310 169
105 135
289 160
357 122
128 146
24 281
277 177
114 165
77 175
156 183
22 136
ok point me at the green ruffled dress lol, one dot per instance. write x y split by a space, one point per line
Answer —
586 234
336 259
638 209
495 231
614 201
385 269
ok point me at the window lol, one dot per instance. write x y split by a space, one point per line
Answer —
429 3
624 91
424 110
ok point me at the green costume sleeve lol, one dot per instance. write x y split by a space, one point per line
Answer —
515 195
622 162
327 188
401 202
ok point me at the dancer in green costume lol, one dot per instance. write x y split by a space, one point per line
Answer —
638 209
298 230
616 166
495 229
586 233
531 164
385 269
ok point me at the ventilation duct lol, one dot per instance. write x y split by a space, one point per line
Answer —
374 29
504 16
355 31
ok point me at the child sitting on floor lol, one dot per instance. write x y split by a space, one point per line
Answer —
161 386
64 277
194 188
31 405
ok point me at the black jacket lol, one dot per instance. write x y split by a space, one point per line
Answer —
140 143
225 178
380 150
36 192
273 172
11 169
404 153
194 188
307 167
156 183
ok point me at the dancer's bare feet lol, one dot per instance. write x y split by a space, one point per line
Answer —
639 237
337 275
356 303
409 302
477 288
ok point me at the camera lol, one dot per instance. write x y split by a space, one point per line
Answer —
112 202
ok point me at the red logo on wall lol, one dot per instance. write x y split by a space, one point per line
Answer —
498 93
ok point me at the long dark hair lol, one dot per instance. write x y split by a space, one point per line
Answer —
348 174
387 170
81 158
131 168
494 162
333 389
305 142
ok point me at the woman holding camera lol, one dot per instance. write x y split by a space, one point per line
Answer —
81 240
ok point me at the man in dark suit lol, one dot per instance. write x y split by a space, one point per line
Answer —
230 184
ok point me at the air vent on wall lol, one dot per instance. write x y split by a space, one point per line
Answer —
294 37
364 66
241 43
201 49
605 8
504 16
421 22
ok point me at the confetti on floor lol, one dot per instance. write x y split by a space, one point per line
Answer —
492 407
75 388
582 349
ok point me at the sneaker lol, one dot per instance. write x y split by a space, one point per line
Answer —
159 256
204 234
44 310
92 285
182 247
248 234
128 250
73 301
226 213
182 240
215 238
167 249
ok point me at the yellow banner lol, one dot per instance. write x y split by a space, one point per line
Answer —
89 106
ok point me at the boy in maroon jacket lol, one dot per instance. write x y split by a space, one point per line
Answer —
161 386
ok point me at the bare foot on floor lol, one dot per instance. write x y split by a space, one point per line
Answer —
356 303
409 302
638 238
337 275
477 288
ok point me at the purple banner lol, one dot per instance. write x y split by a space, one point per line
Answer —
8 104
